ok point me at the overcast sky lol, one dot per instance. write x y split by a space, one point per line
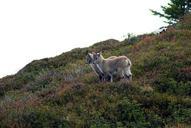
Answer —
34 29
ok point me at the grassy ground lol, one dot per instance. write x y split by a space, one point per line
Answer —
64 92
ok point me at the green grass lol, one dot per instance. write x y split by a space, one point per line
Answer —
63 91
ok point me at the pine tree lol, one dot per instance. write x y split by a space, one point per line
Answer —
174 10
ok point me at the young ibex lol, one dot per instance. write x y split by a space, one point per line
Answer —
120 66
96 68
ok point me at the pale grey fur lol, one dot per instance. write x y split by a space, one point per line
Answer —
96 68
120 66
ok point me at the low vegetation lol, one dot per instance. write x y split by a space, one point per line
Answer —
64 91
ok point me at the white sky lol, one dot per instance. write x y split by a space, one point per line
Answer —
34 29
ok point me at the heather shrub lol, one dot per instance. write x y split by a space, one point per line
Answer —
170 85
130 114
99 123
40 119
185 22
2 91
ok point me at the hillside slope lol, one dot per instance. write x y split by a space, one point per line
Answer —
64 92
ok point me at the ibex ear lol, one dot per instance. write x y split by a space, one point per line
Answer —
98 54
90 55
129 63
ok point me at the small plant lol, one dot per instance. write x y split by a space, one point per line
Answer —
130 114
40 119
